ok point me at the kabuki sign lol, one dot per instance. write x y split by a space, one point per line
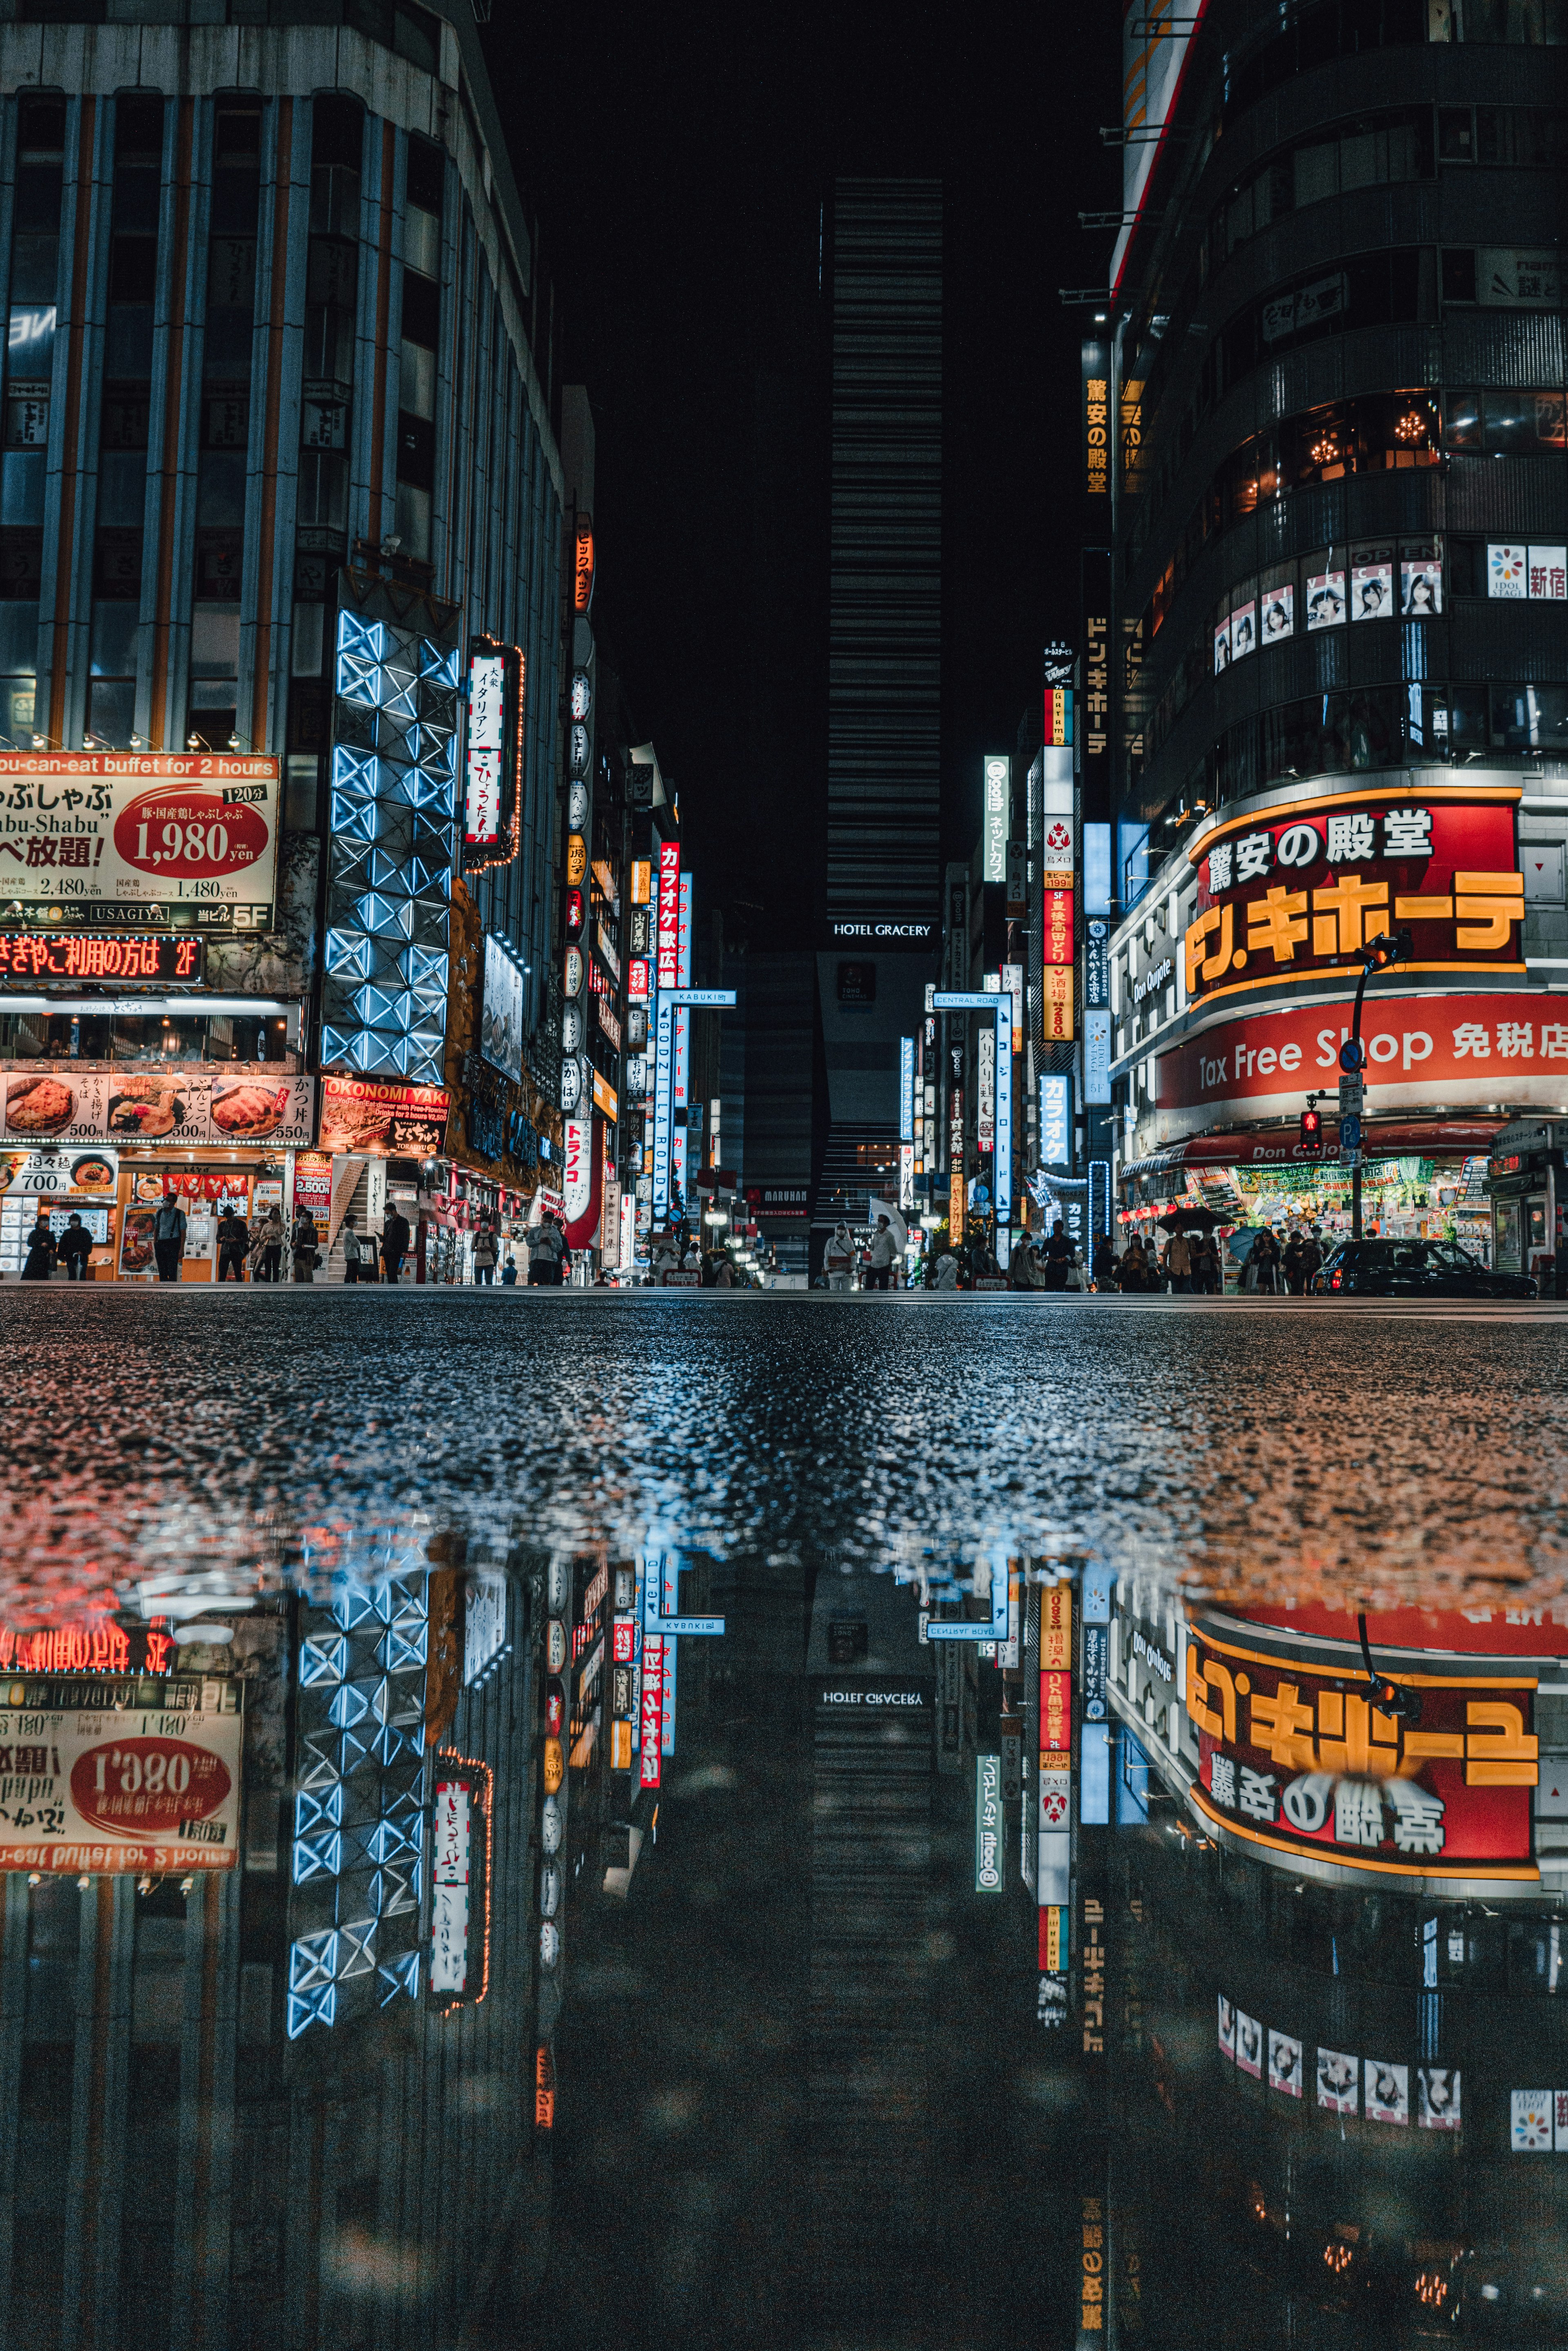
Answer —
99 1775
1295 893
1301 1760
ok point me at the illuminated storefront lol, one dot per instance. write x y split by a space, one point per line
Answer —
1233 987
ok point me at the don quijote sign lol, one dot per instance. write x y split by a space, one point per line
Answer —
1295 894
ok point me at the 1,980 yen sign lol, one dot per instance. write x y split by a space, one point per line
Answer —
105 836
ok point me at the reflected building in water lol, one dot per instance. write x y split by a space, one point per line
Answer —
290 2100
1337 1930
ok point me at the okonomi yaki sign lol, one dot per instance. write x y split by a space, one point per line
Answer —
126 836
100 1774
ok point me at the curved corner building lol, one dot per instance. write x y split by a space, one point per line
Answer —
1343 1928
1332 384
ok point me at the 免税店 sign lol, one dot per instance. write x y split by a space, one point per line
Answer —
1458 1049
1297 893
1297 1759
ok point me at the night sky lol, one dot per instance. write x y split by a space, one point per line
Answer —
677 161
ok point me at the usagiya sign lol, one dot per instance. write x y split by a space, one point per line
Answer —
1301 1759
1295 892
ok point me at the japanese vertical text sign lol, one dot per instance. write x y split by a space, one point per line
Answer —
997 816
1294 1763
1096 369
669 943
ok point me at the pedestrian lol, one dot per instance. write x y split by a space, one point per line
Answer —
1134 1272
1266 1260
1103 1272
74 1248
1058 1258
304 1244
349 1241
692 1261
267 1248
41 1252
884 1255
509 1270
1295 1262
485 1257
1206 1265
394 1243
946 1272
1179 1265
547 1246
233 1243
169 1237
1311 1258
840 1257
724 1272
666 1258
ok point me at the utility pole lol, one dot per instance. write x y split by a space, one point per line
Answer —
1378 955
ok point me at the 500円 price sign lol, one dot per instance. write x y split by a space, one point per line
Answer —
100 1775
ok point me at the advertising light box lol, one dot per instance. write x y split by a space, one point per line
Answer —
103 838
61 1103
102 1776
1296 1763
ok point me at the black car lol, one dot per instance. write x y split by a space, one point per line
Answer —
1415 1269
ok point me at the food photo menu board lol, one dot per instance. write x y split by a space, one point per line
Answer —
60 1105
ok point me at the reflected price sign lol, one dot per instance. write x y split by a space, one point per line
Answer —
1293 1761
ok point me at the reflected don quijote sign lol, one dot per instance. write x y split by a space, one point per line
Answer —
105 836
1295 893
98 1775
1300 1759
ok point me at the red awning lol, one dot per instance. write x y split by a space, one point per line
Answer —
1281 1146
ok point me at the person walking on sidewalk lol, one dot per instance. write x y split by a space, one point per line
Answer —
41 1252
353 1247
233 1244
884 1254
74 1248
169 1238
838 1259
268 1248
304 1243
394 1244
485 1257
1179 1265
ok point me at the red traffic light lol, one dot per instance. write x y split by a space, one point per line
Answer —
1313 1133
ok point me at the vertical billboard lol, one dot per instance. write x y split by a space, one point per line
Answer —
494 754
1096 380
997 820
1157 36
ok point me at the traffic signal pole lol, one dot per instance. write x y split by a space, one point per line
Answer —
1378 955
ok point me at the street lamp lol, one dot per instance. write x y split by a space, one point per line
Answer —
1380 953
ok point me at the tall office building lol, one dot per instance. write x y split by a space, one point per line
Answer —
884 675
886 613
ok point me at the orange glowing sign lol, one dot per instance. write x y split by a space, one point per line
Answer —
584 562
1056 1624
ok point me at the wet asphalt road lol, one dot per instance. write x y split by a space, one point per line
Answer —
1266 1445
